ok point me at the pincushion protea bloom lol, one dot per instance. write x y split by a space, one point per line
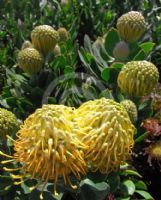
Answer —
154 152
131 109
108 132
30 60
47 147
44 38
8 123
131 26
138 78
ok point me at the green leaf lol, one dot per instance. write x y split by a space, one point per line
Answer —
87 44
144 194
140 56
112 38
130 172
147 46
105 74
130 186
117 65
107 94
93 191
84 57
96 176
141 185
6 183
114 181
68 70
141 137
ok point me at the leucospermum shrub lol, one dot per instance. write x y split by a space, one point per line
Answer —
57 141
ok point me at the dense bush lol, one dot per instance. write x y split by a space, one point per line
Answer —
105 149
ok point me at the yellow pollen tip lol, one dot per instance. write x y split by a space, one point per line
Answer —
3 154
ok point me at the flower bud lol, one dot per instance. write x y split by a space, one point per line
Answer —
138 78
26 44
44 38
131 109
63 34
131 26
121 51
8 123
30 60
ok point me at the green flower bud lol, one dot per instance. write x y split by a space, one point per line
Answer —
44 38
30 60
131 109
26 44
131 26
8 123
138 78
57 50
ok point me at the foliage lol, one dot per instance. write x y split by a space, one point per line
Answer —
85 69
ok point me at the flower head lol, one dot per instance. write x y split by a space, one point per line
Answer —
131 26
47 147
30 60
8 123
108 132
154 152
138 78
44 38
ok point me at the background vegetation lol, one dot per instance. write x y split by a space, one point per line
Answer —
81 73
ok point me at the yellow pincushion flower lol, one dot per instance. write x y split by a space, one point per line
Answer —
108 132
44 38
131 26
131 109
47 147
154 151
138 78
30 60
